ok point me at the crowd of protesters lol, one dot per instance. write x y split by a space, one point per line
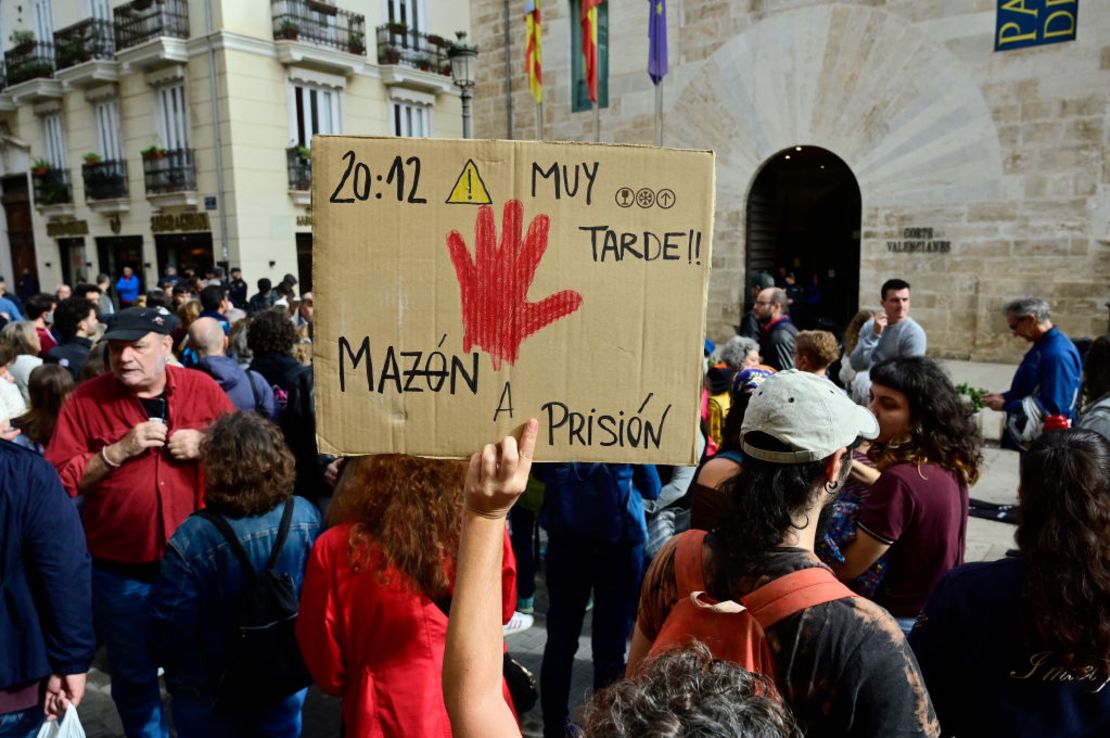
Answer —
162 497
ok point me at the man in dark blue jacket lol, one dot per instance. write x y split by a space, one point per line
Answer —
46 631
1047 381
594 516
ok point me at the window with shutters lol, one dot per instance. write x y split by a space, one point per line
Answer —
173 121
53 141
412 120
106 113
313 110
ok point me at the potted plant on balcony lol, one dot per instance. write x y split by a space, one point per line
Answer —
437 41
40 168
142 4
356 43
304 153
92 158
153 153
424 62
400 28
388 54
22 41
289 30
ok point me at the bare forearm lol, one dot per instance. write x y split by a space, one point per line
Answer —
96 470
472 663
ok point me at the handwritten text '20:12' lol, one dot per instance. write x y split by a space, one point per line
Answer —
357 181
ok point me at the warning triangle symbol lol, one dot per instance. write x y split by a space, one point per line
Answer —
469 189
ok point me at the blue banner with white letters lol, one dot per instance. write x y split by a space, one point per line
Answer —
1022 23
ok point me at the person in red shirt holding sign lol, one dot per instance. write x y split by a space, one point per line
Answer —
129 442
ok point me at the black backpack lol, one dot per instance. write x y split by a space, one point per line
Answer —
264 662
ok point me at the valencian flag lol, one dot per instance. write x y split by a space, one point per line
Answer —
657 41
532 48
589 44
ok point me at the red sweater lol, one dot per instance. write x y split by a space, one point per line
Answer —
133 511
373 638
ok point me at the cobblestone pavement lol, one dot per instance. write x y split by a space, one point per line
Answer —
986 540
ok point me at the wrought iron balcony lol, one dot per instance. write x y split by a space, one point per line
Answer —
29 60
140 21
105 180
319 23
51 186
90 39
399 44
169 171
299 164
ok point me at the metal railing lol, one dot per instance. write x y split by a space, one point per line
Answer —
319 23
300 169
399 44
51 186
143 20
169 171
90 39
105 180
29 60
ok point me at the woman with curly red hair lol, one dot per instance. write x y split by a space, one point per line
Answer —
373 620
1021 647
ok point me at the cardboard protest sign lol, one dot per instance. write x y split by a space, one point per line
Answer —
463 287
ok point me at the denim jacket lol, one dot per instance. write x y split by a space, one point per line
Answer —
194 601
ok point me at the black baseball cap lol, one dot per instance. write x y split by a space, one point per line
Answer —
134 323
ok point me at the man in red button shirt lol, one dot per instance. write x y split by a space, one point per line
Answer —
129 442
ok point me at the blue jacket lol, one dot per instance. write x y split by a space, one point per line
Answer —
603 502
236 382
42 551
1051 371
194 600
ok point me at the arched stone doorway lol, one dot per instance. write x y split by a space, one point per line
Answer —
803 223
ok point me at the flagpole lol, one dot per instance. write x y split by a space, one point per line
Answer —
597 122
659 113
539 121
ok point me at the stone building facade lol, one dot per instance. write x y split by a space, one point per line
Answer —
982 175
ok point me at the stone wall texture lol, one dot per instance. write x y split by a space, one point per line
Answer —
1004 154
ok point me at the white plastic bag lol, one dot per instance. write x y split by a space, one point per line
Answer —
68 727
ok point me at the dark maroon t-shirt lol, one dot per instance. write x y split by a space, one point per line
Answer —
922 513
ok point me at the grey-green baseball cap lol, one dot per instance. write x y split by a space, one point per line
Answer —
808 414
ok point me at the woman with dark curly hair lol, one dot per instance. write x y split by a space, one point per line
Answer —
1021 647
248 484
928 454
374 610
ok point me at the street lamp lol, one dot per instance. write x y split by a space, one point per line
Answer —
462 57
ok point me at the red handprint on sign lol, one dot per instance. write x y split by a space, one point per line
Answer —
497 315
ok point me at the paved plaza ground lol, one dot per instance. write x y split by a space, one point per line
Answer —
986 541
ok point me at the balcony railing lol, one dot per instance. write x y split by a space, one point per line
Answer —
51 186
398 44
143 20
169 171
29 60
300 168
319 23
105 180
90 39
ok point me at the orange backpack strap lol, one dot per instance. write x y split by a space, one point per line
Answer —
792 593
688 561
